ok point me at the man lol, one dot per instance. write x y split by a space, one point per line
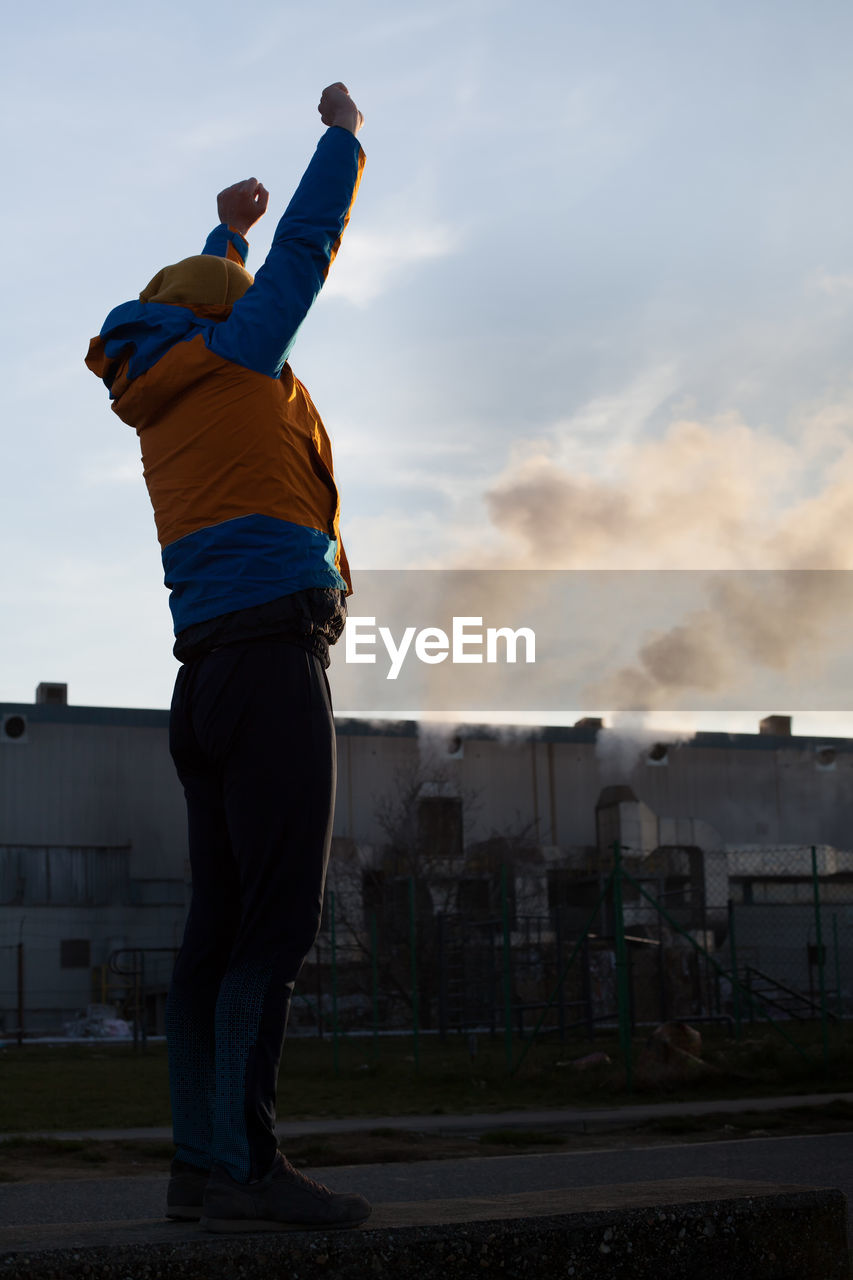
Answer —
239 471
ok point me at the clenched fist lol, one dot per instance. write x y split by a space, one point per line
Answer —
240 206
337 107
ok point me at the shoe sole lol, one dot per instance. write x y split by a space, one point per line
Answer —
270 1224
181 1213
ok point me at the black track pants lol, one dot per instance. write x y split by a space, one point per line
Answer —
253 740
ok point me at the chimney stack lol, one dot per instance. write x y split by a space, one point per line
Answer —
776 726
53 695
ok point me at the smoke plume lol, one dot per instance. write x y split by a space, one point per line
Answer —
718 496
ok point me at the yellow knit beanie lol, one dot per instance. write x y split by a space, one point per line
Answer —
203 280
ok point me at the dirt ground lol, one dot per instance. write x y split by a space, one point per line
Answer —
45 1160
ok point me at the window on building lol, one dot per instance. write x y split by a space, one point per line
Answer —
481 897
567 890
388 898
64 875
473 898
372 892
786 890
75 953
440 826
559 889
385 898
783 890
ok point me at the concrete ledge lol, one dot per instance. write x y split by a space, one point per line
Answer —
690 1229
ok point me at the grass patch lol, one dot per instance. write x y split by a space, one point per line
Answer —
33 1159
397 1135
45 1087
75 1087
835 1116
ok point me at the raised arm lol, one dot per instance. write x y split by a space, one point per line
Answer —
263 324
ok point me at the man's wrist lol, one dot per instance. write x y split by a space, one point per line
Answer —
349 120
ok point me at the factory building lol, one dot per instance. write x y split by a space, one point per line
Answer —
93 850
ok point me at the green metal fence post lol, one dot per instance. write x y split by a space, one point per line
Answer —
20 956
824 1022
839 995
735 978
143 1029
750 1003
622 992
335 1058
415 1011
318 973
374 959
606 888
136 1022
507 958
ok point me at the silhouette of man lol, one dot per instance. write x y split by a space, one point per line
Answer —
239 471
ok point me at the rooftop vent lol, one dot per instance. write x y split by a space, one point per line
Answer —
52 695
13 729
615 795
776 726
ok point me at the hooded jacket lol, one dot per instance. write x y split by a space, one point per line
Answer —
236 459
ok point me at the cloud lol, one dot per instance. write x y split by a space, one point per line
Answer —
826 282
369 263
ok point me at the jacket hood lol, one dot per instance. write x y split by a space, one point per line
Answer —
202 279
180 302
135 335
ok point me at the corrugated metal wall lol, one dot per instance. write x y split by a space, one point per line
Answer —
87 785
70 782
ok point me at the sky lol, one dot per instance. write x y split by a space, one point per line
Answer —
593 310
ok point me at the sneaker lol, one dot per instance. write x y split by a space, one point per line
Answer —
284 1200
186 1191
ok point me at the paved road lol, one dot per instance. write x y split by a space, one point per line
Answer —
825 1161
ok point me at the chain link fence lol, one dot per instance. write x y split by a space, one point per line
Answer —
733 939
630 941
